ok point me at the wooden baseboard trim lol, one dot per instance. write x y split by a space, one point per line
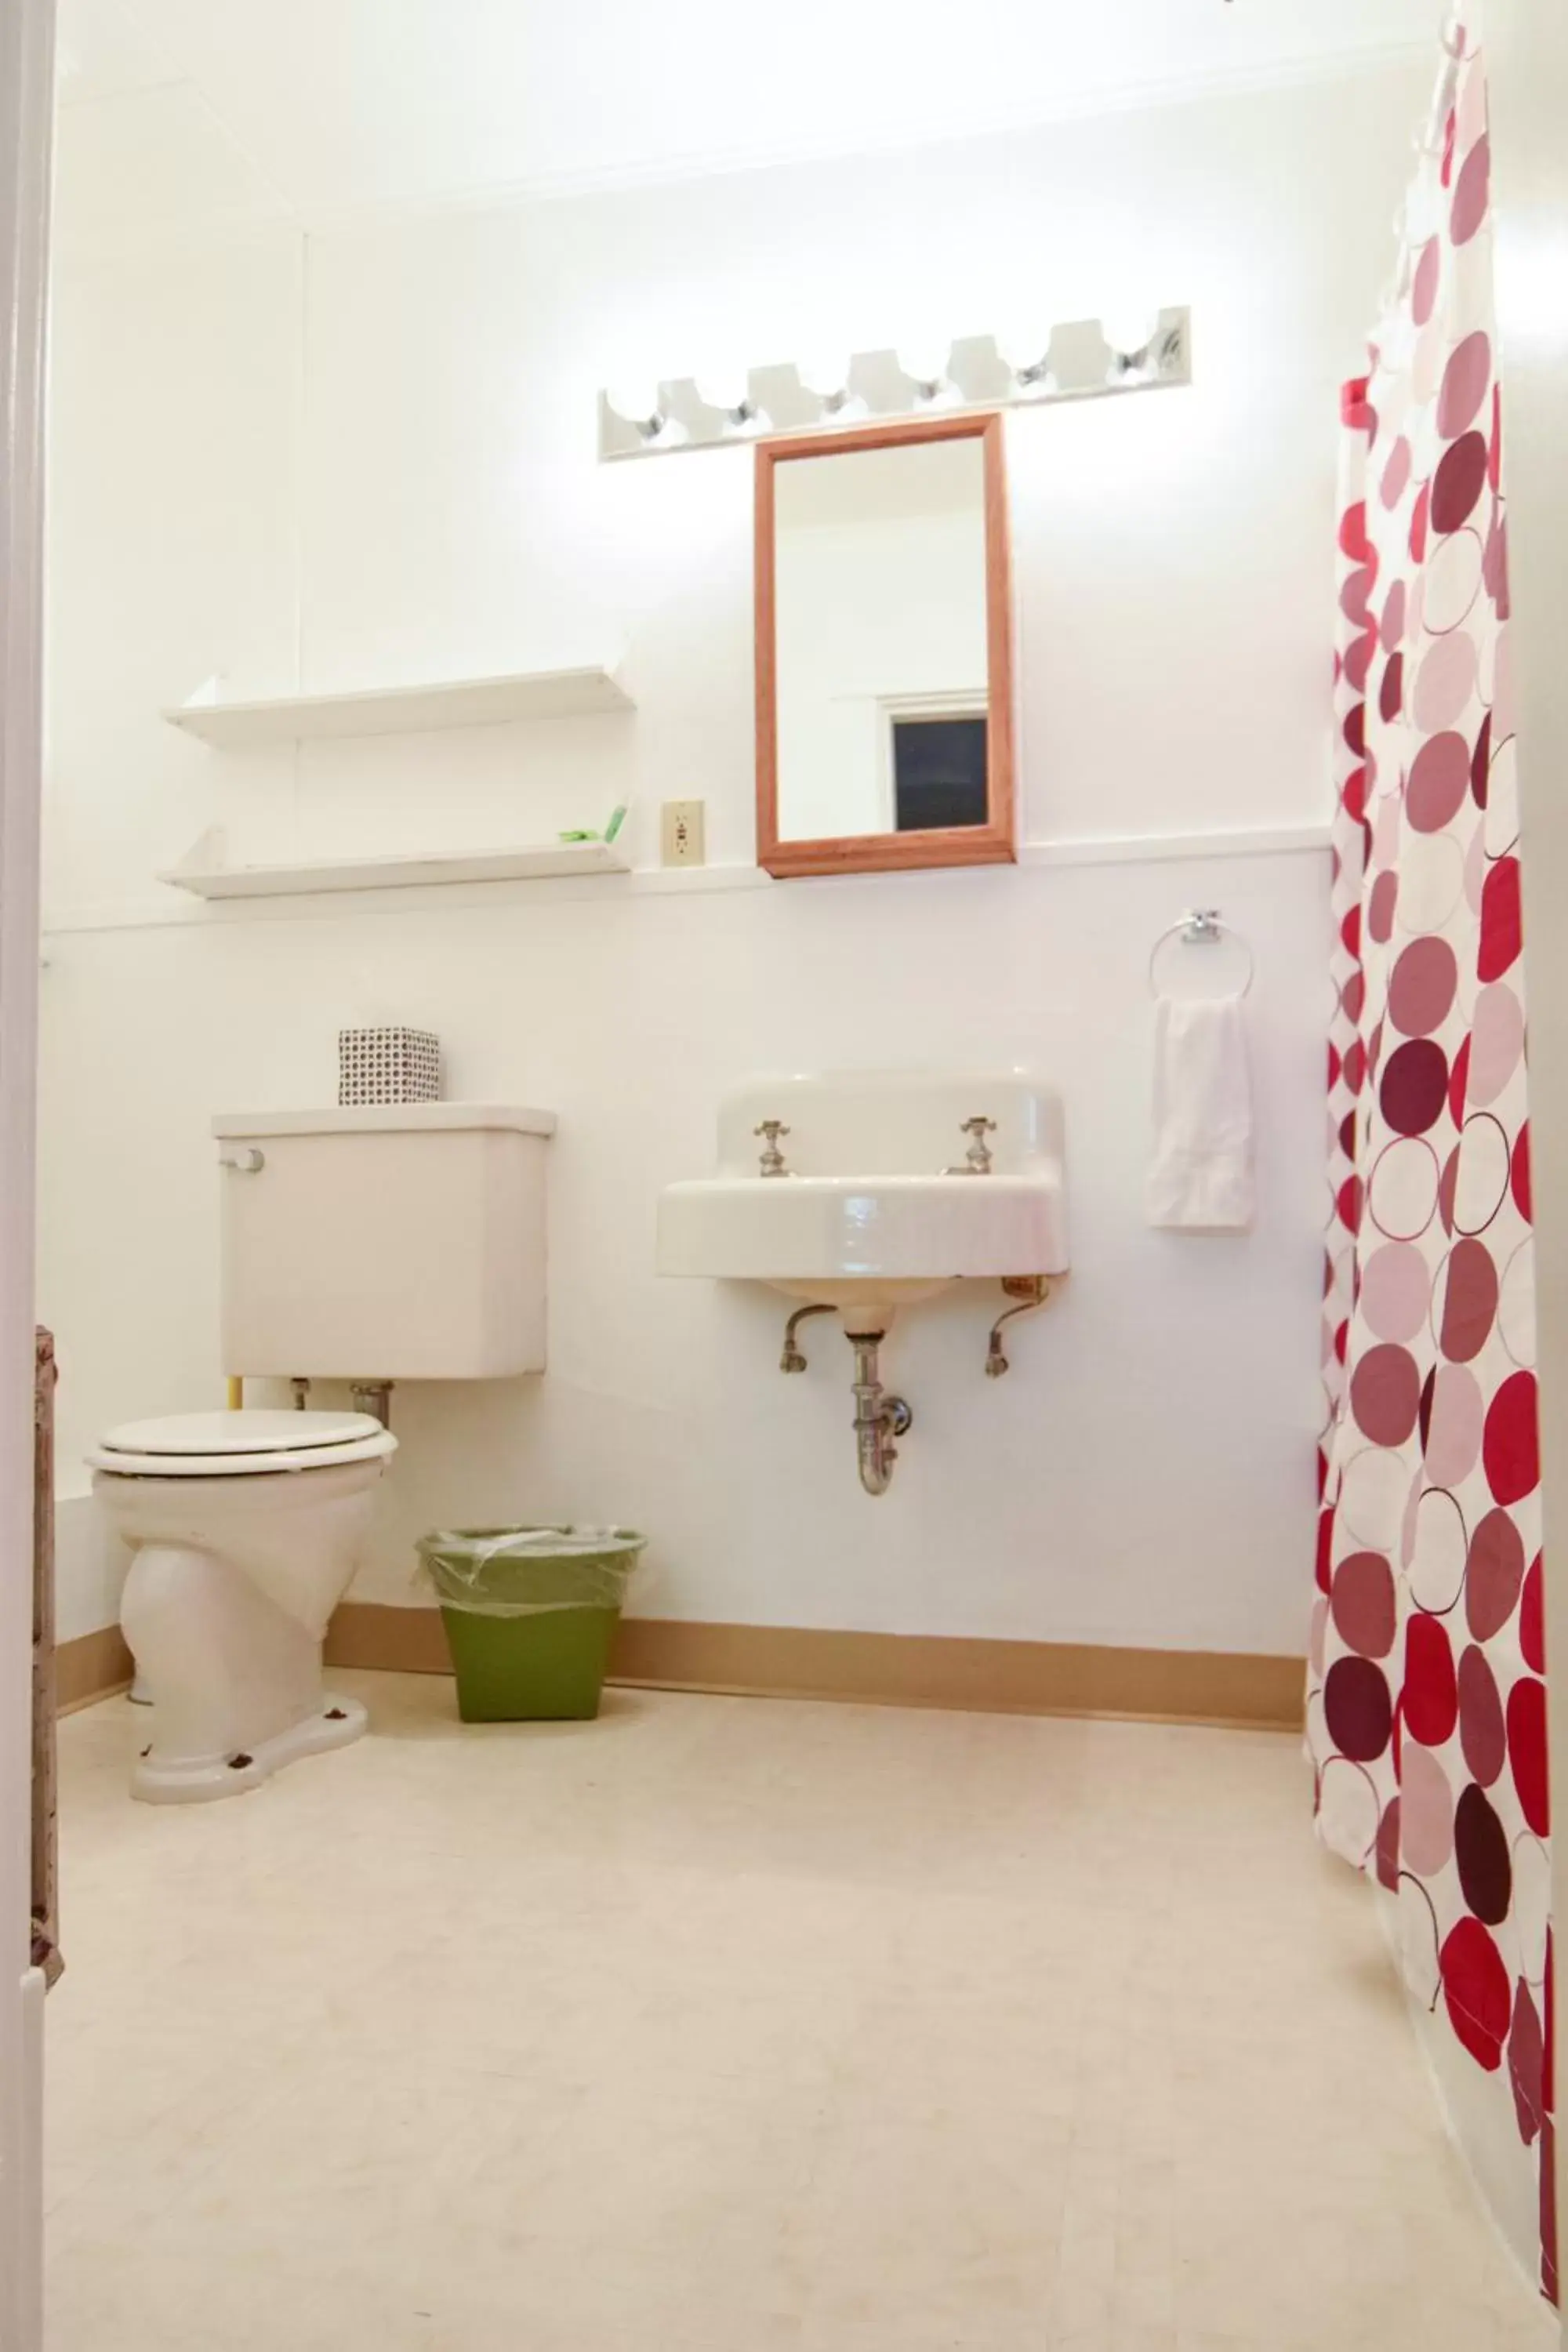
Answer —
1235 1691
93 1666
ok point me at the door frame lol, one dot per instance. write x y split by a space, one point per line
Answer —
26 124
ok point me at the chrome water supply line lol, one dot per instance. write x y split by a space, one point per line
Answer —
1033 1290
792 1361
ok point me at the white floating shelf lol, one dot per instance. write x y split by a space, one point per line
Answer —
405 709
205 880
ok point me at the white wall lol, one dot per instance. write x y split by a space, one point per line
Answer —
176 109
373 457
89 1562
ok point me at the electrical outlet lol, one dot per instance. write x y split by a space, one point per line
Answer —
681 833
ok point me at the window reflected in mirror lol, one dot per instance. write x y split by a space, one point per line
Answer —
938 770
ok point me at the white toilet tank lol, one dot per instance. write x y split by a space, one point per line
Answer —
399 1243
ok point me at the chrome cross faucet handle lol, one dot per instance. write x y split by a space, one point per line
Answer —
977 1160
772 1160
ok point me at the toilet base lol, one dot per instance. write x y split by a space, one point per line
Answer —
201 1779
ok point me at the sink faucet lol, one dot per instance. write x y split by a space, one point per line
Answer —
772 1158
977 1160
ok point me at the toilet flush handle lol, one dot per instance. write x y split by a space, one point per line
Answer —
249 1160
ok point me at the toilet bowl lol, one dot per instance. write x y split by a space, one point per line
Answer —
245 1530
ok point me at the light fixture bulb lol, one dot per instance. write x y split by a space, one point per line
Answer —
728 388
1025 346
1129 327
924 359
827 375
637 400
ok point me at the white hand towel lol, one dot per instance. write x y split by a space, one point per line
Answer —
1200 1179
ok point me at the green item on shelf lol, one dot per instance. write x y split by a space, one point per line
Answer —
586 833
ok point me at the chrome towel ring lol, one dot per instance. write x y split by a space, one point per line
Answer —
1200 926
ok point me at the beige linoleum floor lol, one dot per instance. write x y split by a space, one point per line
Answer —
723 2026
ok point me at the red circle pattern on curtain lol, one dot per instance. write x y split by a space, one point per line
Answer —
1426 1696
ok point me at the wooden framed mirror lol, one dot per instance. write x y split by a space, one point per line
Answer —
884 649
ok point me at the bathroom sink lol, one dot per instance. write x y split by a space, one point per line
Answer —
885 1198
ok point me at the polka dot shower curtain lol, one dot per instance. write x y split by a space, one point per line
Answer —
1427 1696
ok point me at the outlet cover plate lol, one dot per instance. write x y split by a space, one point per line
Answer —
681 831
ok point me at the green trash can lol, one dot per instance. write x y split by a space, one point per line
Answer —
530 1614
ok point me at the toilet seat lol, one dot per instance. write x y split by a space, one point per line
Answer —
240 1444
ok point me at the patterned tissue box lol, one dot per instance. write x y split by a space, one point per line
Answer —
389 1066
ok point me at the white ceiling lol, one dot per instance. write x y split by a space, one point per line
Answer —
188 114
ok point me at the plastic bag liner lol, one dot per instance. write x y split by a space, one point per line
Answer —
529 1571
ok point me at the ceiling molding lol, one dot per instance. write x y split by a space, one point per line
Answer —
722 162
67 98
219 232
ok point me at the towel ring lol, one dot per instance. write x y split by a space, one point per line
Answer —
1201 927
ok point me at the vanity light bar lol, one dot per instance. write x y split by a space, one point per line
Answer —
1084 361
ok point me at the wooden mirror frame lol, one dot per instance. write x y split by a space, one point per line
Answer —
995 842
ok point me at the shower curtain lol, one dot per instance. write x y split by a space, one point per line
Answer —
1427 1693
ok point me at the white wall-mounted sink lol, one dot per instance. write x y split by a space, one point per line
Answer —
870 1216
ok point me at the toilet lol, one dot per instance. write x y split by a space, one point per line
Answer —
246 1529
369 1244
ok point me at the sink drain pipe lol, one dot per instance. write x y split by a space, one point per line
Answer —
879 1419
